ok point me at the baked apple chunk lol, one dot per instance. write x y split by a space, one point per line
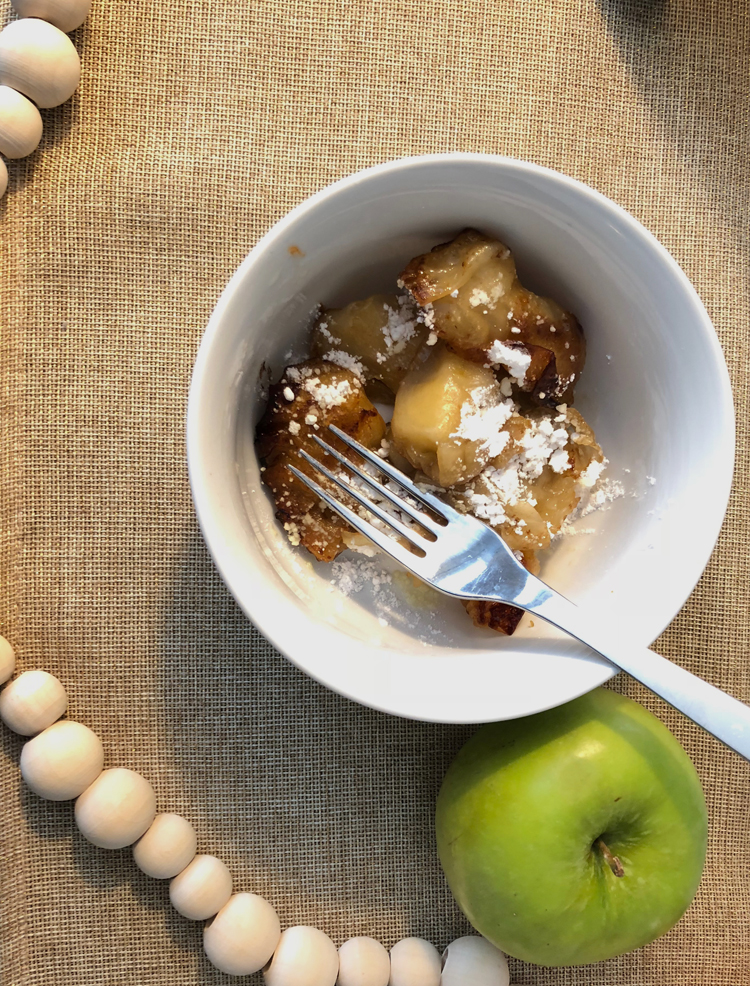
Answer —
485 314
382 333
308 398
449 416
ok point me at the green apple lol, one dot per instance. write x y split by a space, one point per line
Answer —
573 835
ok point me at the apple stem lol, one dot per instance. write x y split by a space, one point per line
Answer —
611 860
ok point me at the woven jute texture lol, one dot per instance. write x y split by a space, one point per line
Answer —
196 126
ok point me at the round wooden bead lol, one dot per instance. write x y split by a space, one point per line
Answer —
62 761
20 124
3 190
116 809
167 848
474 960
415 962
7 654
363 962
32 702
243 935
202 889
303 957
37 59
65 14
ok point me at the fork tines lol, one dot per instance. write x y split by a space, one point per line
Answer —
385 467
384 491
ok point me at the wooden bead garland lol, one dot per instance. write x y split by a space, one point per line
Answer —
119 807
166 848
304 957
476 961
116 809
363 962
415 962
20 124
243 936
62 761
32 702
7 654
37 59
202 889
64 14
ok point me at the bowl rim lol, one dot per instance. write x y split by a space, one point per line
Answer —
200 488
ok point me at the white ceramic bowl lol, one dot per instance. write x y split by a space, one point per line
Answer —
655 389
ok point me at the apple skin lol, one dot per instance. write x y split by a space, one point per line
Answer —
525 800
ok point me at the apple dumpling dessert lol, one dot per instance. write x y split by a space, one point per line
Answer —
485 314
480 374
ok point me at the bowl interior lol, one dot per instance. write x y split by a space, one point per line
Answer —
655 389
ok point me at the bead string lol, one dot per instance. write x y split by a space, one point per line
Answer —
39 67
116 807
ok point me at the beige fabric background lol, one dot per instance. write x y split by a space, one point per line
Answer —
197 125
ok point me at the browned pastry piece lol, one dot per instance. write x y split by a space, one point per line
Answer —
309 397
501 617
477 300
494 616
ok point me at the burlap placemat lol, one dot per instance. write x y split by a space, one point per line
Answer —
196 126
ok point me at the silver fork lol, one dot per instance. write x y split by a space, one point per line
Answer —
462 557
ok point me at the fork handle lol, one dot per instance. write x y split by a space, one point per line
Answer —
718 713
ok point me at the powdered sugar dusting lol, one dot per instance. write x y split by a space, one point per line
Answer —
322 327
400 326
544 443
328 395
515 359
347 362
591 475
540 444
488 299
394 597
426 315
350 576
482 420
598 496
